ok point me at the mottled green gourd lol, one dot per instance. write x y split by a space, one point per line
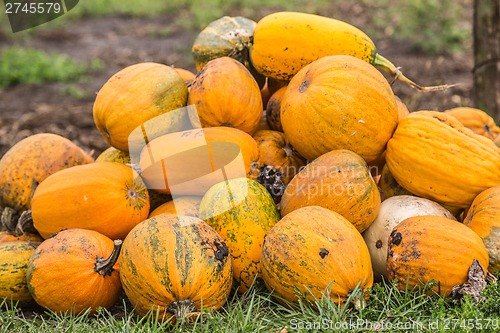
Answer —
242 212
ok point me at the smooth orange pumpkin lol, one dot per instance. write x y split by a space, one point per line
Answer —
318 253
184 205
476 120
339 102
103 196
74 271
340 181
226 94
402 108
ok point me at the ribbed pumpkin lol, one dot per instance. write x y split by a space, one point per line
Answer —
273 110
14 257
340 181
226 37
476 120
74 271
393 211
192 161
484 218
184 205
114 155
139 93
176 266
226 94
312 249
426 248
434 156
30 161
242 212
339 102
275 151
103 196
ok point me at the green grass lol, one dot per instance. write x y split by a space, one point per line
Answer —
31 66
388 308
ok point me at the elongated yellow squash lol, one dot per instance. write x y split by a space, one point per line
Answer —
284 42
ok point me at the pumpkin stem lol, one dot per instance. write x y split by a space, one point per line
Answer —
105 266
9 220
25 224
395 72
182 309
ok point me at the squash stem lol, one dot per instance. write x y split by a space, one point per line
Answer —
105 266
395 72
25 224
182 309
9 219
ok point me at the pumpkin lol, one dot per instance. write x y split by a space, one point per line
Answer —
274 84
401 108
75 271
114 155
389 186
476 120
6 236
225 94
14 257
184 205
226 37
103 196
190 162
156 199
317 252
174 266
265 94
140 93
392 212
275 151
433 248
186 75
242 212
273 110
434 156
29 162
339 102
340 181
484 218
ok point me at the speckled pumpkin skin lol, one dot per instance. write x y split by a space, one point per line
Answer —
14 257
339 181
167 259
184 205
426 248
242 212
103 196
114 155
61 275
30 161
311 248
484 218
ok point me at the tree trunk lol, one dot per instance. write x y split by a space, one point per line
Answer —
487 56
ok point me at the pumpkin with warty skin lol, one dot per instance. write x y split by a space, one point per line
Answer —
14 257
75 271
184 205
484 218
434 156
175 265
242 212
426 248
476 120
30 161
114 155
139 93
273 110
276 151
339 181
192 161
311 249
339 102
226 94
392 211
103 196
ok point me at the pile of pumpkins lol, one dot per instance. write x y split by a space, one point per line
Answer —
286 161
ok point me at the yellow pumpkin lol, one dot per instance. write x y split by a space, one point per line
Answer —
476 120
114 155
184 205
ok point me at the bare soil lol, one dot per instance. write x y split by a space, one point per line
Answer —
121 41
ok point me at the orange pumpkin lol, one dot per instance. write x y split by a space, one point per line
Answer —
484 218
339 102
273 110
103 196
74 271
195 160
186 75
185 206
426 248
402 109
340 181
476 120
140 93
275 84
226 94
6 237
314 251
